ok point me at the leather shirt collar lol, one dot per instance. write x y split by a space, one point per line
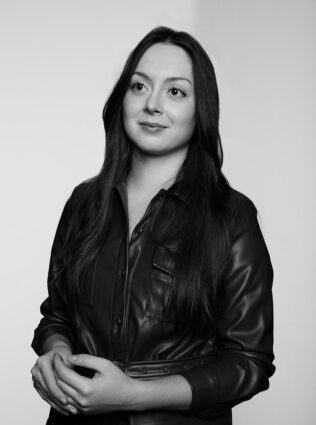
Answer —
175 189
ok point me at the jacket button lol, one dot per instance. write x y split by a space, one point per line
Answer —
140 230
165 369
144 369
118 321
185 366
123 273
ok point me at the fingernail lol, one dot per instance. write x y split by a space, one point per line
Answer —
74 358
73 411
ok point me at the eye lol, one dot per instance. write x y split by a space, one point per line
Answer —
137 86
176 91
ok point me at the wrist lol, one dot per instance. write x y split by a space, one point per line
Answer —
63 350
136 396
56 342
171 392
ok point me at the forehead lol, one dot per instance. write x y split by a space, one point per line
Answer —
166 60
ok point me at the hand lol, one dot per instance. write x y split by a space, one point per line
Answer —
44 381
109 390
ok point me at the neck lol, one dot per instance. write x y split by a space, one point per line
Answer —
152 172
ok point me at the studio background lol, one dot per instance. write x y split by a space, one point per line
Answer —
59 61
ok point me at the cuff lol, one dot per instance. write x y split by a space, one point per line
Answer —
203 385
41 335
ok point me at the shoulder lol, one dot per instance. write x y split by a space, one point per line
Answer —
80 194
243 213
76 202
245 228
238 201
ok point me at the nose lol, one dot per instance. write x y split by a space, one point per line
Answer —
153 104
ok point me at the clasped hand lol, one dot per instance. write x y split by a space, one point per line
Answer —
109 390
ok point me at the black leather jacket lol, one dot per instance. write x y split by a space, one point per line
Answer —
134 325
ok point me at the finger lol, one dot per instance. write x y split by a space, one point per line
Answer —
71 392
65 408
39 382
48 400
90 362
69 376
73 402
40 390
37 378
50 385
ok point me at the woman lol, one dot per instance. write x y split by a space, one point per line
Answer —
159 280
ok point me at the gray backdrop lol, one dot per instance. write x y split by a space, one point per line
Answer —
59 60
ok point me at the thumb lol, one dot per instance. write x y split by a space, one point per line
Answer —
63 357
90 362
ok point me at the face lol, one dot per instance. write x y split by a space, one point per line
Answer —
159 106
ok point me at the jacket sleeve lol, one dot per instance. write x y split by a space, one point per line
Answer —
56 319
245 327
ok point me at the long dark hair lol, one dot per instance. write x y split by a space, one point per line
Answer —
204 243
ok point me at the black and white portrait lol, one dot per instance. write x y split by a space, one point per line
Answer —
158 203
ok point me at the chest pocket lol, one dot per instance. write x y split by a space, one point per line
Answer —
162 282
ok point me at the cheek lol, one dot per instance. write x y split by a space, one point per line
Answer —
188 123
184 117
126 107
126 115
131 106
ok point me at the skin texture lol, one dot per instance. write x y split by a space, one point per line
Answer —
154 95
44 376
110 389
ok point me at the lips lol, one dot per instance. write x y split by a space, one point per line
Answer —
152 124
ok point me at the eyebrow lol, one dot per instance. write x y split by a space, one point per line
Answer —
169 79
